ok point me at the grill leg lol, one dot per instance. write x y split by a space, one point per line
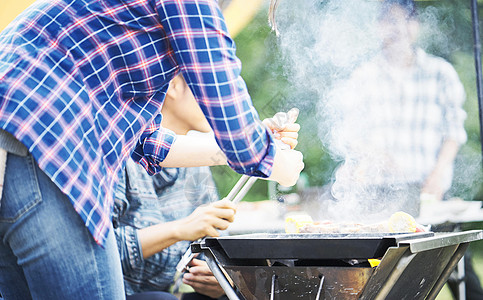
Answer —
272 289
398 270
460 251
460 270
319 291
218 273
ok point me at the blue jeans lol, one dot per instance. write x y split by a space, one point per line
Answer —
46 251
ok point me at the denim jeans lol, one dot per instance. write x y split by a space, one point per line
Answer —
46 251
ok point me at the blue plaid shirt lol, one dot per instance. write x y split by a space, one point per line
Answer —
82 84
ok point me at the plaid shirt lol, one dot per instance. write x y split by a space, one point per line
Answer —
394 122
142 201
82 84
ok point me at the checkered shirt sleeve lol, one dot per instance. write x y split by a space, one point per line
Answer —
197 32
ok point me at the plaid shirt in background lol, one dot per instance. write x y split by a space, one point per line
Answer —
399 119
82 84
142 201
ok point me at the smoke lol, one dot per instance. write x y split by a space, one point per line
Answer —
322 43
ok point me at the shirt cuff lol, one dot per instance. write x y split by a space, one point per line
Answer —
152 149
265 168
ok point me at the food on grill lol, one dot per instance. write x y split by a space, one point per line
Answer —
398 222
293 223
402 222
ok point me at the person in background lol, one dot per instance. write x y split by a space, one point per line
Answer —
155 220
82 84
155 217
402 123
402 120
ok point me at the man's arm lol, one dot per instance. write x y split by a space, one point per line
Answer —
202 150
452 99
434 184
194 151
204 221
206 56
135 244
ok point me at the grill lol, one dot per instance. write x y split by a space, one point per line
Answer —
334 266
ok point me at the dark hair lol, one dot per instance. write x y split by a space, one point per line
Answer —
407 5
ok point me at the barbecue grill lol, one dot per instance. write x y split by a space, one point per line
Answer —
335 266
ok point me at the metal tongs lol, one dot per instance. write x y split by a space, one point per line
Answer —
236 194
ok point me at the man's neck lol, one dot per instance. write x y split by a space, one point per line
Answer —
177 127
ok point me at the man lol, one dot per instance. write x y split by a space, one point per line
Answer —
81 87
401 118
402 123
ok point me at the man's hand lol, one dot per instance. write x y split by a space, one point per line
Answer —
283 127
433 186
206 221
434 183
202 280
287 166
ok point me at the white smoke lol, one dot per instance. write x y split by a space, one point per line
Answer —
322 43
